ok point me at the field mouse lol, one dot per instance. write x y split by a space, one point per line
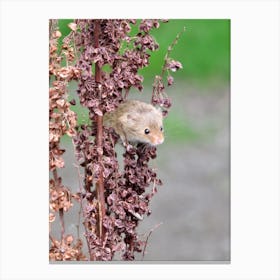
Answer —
136 122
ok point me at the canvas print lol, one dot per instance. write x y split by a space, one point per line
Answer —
139 140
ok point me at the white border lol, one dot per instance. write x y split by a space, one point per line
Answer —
254 137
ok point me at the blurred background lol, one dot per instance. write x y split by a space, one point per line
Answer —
190 218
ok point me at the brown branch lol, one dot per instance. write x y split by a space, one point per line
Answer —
52 26
169 49
61 218
92 256
81 200
99 141
146 242
126 93
61 212
76 164
53 241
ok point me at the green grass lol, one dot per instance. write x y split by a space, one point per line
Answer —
203 49
177 129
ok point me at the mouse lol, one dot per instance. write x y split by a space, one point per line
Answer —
136 122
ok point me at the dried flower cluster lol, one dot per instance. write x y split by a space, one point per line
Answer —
132 197
113 201
66 250
124 67
61 121
159 97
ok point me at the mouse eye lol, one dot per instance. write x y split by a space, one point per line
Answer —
147 131
161 128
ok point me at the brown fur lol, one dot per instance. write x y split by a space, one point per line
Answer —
131 119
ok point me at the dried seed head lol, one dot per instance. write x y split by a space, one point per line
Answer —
72 26
57 34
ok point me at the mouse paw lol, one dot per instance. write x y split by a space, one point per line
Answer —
128 147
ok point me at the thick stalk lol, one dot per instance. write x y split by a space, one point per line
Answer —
99 142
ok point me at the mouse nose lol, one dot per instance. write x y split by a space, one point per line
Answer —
158 140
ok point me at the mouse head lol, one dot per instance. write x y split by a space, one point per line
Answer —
145 125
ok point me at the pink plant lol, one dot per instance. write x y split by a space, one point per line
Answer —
113 201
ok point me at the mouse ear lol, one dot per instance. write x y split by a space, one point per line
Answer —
160 110
128 119
133 117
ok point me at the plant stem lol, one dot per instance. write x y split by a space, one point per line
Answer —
99 142
52 240
146 242
170 48
61 213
